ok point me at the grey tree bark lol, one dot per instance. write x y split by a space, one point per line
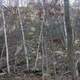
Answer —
6 43
23 38
69 41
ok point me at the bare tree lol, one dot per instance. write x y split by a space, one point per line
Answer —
6 44
24 41
69 40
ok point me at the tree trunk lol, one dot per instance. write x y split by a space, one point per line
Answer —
6 43
69 40
23 38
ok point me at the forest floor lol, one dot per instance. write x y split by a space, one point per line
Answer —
20 76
